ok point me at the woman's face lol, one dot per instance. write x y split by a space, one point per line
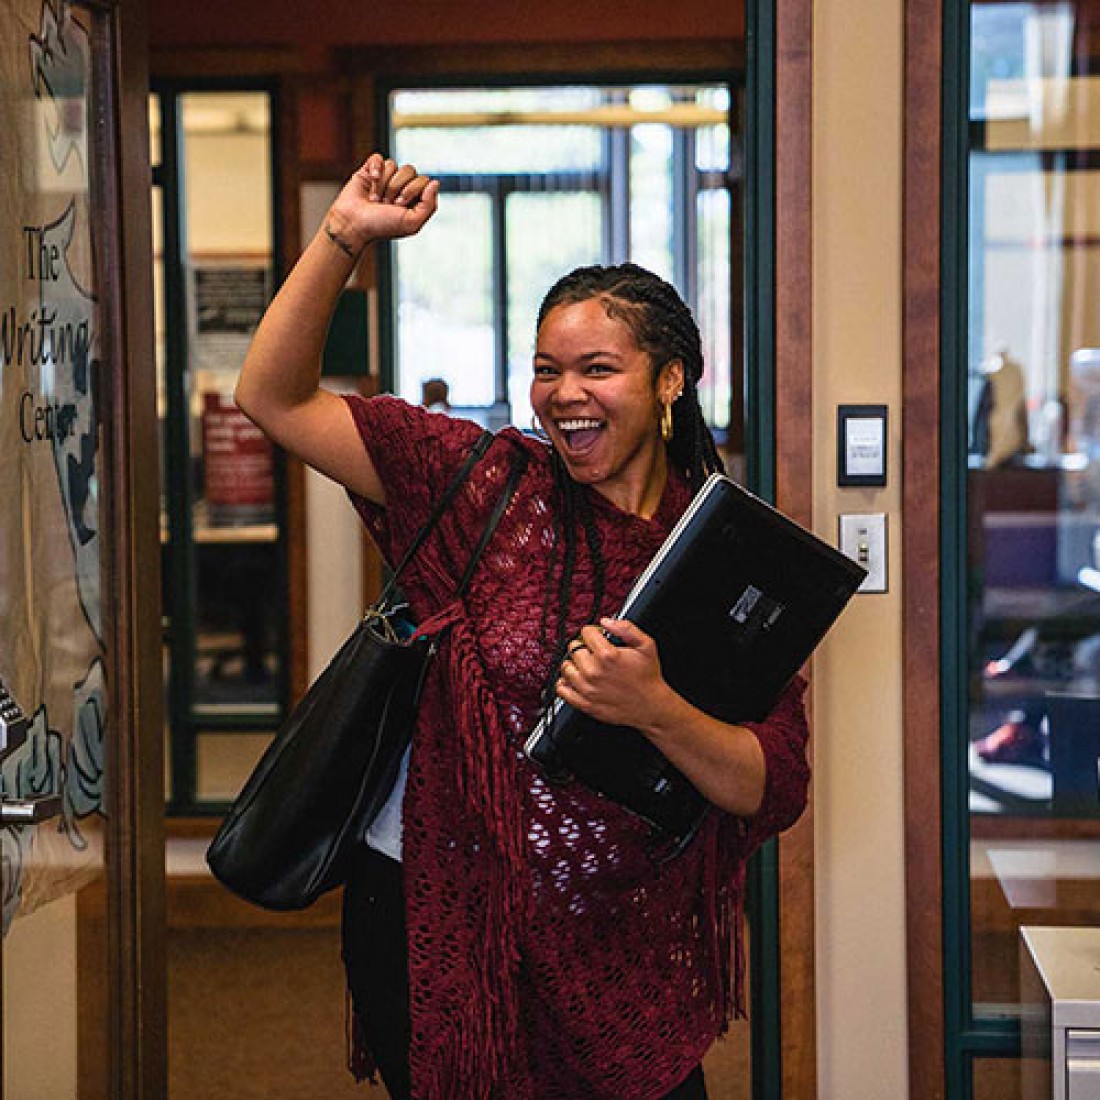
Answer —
594 392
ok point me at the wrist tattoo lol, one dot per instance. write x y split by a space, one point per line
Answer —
341 243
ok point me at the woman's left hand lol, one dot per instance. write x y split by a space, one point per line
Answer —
622 684
616 680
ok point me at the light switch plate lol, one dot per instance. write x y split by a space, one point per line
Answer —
863 539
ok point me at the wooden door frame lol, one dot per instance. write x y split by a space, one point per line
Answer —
794 495
137 1043
922 248
793 354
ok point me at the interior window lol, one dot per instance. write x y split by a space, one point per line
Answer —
537 181
222 522
1032 735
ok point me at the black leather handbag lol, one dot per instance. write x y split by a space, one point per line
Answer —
333 762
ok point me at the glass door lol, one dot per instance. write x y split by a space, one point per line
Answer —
54 654
224 592
74 916
1028 818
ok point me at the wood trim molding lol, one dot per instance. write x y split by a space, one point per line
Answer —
794 491
548 60
225 62
288 185
135 808
921 256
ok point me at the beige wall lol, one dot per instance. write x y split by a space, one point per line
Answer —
40 1054
857 681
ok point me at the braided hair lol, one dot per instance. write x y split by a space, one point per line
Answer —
664 328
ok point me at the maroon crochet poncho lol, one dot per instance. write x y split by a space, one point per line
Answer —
550 957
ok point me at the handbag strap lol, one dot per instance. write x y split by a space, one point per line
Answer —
477 452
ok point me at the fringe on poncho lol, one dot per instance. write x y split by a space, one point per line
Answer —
550 956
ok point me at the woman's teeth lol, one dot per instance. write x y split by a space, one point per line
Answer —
580 434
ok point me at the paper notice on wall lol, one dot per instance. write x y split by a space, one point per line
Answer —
229 301
238 470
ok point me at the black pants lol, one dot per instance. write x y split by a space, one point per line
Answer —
376 959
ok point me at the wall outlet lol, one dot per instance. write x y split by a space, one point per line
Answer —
863 539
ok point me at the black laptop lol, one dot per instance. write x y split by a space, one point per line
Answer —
737 598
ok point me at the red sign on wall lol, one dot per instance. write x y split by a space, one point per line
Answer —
238 467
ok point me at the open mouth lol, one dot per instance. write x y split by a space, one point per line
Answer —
580 434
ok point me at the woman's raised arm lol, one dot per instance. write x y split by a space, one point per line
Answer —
279 386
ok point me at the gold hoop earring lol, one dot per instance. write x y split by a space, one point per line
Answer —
666 422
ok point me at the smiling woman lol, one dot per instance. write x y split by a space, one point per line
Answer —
600 399
623 338
480 886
